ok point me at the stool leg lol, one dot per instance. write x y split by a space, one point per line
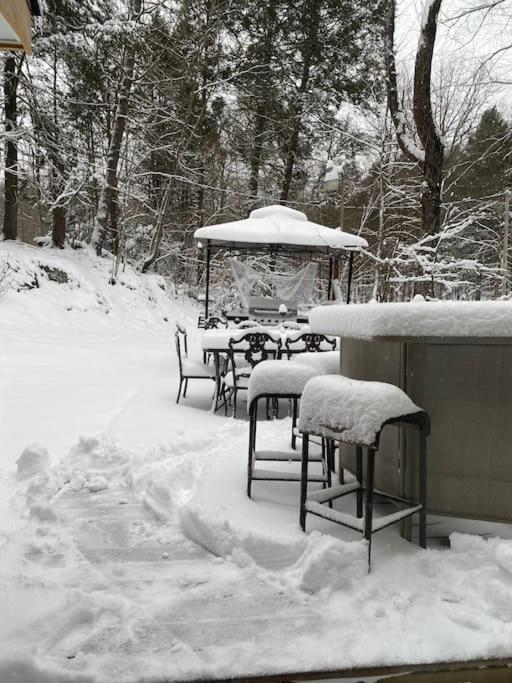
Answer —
368 501
304 480
341 476
294 423
423 488
359 477
329 463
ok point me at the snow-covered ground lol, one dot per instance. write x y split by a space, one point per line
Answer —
128 549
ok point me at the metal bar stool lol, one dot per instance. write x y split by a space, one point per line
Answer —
355 412
275 379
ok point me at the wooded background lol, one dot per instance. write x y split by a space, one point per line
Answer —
137 121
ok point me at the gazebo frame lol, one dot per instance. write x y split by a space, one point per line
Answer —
277 249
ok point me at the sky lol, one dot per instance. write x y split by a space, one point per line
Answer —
468 44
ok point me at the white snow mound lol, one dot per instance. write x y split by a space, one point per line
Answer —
34 459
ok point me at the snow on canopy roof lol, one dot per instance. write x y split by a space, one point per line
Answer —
279 225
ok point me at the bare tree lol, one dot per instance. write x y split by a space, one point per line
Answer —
430 154
107 205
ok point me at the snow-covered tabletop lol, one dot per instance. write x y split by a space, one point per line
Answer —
433 320
218 340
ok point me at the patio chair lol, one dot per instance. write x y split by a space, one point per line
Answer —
355 412
308 342
254 347
215 322
189 369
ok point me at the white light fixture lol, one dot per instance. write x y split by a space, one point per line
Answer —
332 177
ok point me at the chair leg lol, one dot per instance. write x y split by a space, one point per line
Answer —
423 488
294 422
234 402
252 447
323 458
179 390
304 480
359 477
368 501
185 389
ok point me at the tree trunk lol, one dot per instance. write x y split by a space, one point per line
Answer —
11 78
312 21
425 124
430 157
257 152
107 204
59 227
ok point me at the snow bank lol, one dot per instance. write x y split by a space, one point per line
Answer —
34 459
332 404
27 670
45 284
415 319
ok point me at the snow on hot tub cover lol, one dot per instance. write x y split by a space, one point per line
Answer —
279 225
333 405
415 319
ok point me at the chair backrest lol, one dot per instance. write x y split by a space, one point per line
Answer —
215 323
309 342
255 347
181 336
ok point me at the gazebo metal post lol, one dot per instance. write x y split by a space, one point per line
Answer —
329 286
207 293
349 279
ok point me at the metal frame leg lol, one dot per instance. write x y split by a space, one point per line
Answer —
304 480
252 446
179 390
423 487
368 500
328 464
185 389
295 405
359 477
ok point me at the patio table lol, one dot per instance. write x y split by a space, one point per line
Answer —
216 343
454 359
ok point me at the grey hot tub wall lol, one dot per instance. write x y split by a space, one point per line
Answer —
467 390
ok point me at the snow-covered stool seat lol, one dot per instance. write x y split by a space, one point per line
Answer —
275 379
325 362
355 412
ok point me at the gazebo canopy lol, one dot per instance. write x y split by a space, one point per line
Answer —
280 227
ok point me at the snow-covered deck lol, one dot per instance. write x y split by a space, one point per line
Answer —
136 555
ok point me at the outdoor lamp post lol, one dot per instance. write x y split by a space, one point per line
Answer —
334 183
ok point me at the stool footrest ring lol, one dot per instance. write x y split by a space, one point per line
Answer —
333 492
